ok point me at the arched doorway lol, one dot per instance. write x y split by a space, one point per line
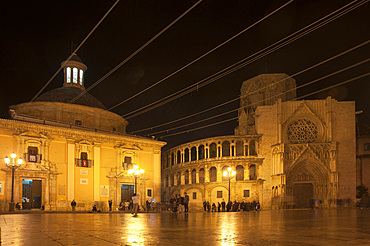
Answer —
303 180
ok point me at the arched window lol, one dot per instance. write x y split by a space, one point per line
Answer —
212 150
81 76
172 180
178 157
186 155
224 178
172 159
178 178
239 173
68 71
75 75
202 175
239 148
193 176
201 152
252 172
193 154
213 174
226 148
252 148
186 177
246 150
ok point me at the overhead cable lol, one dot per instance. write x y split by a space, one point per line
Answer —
259 89
133 54
202 56
256 56
74 52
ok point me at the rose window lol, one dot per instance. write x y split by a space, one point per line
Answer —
302 131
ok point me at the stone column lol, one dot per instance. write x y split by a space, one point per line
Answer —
71 169
206 173
96 169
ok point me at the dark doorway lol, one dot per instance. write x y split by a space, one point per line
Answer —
127 192
303 193
31 193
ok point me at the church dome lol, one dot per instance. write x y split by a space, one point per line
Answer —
66 94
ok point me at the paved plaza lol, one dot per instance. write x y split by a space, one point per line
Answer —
274 227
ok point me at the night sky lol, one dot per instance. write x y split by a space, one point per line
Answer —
37 36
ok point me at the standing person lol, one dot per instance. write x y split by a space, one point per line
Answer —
186 202
180 202
73 204
147 206
110 205
135 201
223 204
219 207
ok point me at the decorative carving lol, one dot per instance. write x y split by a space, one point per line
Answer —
302 131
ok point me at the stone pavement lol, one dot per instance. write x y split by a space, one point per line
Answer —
274 227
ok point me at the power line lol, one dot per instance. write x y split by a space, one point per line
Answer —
315 92
238 98
133 54
197 59
298 87
74 52
238 65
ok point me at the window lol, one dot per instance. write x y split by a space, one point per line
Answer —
252 172
149 192
83 155
186 155
212 150
187 177
239 148
75 75
226 148
194 195
213 174
81 76
201 152
219 194
246 193
32 154
193 156
68 71
128 159
178 157
193 176
201 175
367 146
78 122
239 173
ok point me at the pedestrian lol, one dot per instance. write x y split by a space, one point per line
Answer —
73 204
219 207
147 203
213 207
135 201
258 206
205 206
208 207
110 205
223 204
180 203
186 202
94 209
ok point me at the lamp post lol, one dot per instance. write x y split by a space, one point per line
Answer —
13 166
136 172
229 174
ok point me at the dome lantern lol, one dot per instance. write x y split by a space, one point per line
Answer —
74 72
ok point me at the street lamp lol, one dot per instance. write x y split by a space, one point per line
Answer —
135 172
13 166
230 174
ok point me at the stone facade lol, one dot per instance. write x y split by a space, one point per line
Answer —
304 151
74 151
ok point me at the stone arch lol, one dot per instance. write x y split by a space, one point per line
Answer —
226 148
186 155
178 157
306 180
193 154
201 152
212 150
239 173
202 175
213 174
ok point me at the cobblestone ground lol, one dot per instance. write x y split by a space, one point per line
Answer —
289 227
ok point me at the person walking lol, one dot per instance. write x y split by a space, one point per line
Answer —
73 204
135 201
186 202
223 204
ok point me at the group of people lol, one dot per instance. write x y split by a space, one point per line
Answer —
180 204
231 206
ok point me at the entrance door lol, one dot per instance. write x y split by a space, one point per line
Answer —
127 191
31 193
303 193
